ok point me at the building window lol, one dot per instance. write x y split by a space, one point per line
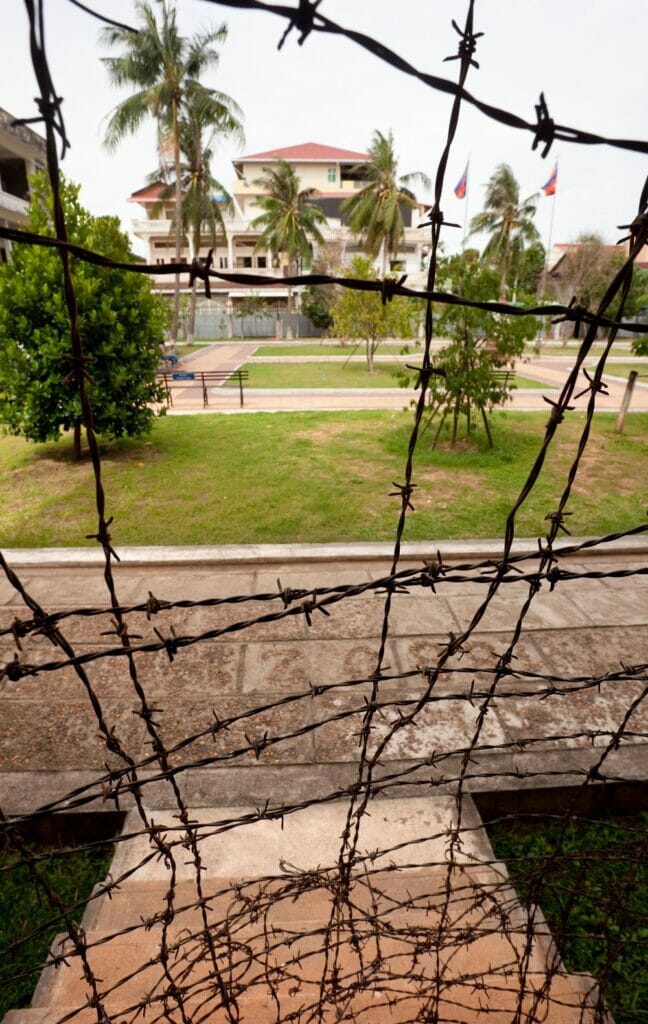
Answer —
159 261
332 174
262 262
222 262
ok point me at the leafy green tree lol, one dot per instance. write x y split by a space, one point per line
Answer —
121 324
289 222
509 222
482 345
525 277
375 212
361 316
585 271
317 300
165 68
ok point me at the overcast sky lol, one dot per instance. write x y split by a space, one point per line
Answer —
588 56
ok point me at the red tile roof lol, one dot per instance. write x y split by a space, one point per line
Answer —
150 193
307 151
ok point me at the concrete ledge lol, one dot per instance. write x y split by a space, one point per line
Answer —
259 554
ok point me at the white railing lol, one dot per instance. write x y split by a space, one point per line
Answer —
13 204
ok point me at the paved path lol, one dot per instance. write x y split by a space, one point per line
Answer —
549 370
48 737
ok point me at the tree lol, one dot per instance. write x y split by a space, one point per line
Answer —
204 199
121 323
289 222
585 271
165 68
481 345
509 223
525 276
362 316
375 212
318 299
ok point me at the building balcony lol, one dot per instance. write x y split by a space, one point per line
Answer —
11 204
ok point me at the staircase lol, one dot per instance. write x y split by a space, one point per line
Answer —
431 930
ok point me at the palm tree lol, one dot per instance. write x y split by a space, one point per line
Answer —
165 69
289 221
375 213
508 221
204 199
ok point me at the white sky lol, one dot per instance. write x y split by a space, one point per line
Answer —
587 55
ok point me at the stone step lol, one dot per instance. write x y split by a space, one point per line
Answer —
424 927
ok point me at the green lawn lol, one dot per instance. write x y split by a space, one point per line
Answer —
327 348
335 375
619 348
623 370
24 909
185 350
313 476
594 896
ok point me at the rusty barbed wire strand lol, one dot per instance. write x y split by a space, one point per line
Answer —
360 948
545 130
576 314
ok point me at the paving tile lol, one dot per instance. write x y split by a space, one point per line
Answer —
78 587
65 735
440 727
333 661
594 651
360 616
194 584
481 652
414 614
181 720
566 716
201 620
276 667
298 578
196 672
609 606
548 610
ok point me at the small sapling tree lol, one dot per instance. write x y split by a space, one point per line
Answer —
363 317
470 380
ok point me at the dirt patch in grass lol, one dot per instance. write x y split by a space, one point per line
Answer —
322 432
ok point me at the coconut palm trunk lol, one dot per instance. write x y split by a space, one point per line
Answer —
178 226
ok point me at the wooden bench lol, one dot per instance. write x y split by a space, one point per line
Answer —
503 377
201 379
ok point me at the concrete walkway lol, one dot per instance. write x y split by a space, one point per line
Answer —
549 370
48 741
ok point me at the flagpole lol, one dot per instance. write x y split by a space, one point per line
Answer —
549 240
465 230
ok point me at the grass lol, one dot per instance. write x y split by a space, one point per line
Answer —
594 897
24 910
623 370
334 375
620 348
327 348
185 350
317 477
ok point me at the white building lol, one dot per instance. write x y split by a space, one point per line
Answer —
331 171
22 152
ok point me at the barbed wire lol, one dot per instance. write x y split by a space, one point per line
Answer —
398 932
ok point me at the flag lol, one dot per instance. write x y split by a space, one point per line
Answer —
462 185
549 188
